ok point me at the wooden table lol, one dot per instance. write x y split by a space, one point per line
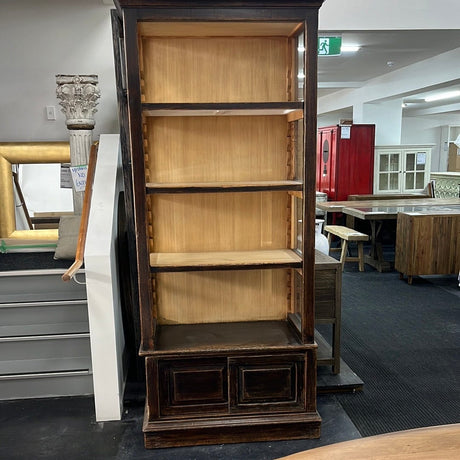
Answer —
376 212
387 196
337 206
377 215
436 442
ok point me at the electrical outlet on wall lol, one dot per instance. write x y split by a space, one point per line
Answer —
50 112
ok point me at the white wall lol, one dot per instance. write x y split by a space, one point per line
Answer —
427 130
388 14
39 39
333 118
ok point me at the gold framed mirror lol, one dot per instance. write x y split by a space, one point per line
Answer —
25 153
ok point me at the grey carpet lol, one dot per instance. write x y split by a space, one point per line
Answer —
404 343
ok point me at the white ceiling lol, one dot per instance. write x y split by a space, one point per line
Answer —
382 52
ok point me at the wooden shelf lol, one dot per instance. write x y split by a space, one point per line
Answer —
225 260
214 337
231 186
293 109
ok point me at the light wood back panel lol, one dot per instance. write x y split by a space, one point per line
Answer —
219 221
221 296
217 29
215 69
220 148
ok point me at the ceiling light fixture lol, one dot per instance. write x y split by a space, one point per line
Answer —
439 96
351 48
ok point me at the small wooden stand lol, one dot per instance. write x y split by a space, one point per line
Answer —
328 306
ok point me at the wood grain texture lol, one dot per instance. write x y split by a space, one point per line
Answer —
203 149
212 297
216 29
427 244
328 304
230 338
243 428
441 442
308 148
201 222
346 233
206 109
133 163
222 186
257 5
224 259
217 69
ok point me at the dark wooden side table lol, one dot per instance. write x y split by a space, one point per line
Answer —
328 305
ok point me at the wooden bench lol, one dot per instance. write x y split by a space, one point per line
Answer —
347 234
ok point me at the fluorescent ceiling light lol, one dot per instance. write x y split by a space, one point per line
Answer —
350 48
439 96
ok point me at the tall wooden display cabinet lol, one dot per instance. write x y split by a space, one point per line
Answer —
219 139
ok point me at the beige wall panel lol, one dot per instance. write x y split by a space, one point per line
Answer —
217 69
211 297
221 148
219 221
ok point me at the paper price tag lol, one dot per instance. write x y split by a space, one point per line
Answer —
79 177
345 132
421 158
66 177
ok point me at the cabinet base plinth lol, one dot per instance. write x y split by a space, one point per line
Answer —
234 429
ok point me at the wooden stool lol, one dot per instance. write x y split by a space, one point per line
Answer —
347 234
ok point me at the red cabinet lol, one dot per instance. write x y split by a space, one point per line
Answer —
345 160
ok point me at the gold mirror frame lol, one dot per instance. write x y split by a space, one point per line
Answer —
25 153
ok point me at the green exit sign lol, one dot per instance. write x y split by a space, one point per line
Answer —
329 46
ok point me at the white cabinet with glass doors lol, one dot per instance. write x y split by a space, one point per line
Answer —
401 168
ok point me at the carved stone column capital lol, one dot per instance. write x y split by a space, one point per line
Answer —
78 95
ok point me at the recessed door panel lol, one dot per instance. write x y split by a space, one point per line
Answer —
270 383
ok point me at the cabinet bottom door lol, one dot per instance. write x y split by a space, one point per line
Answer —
267 383
193 386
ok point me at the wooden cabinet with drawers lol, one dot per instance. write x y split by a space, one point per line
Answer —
428 243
